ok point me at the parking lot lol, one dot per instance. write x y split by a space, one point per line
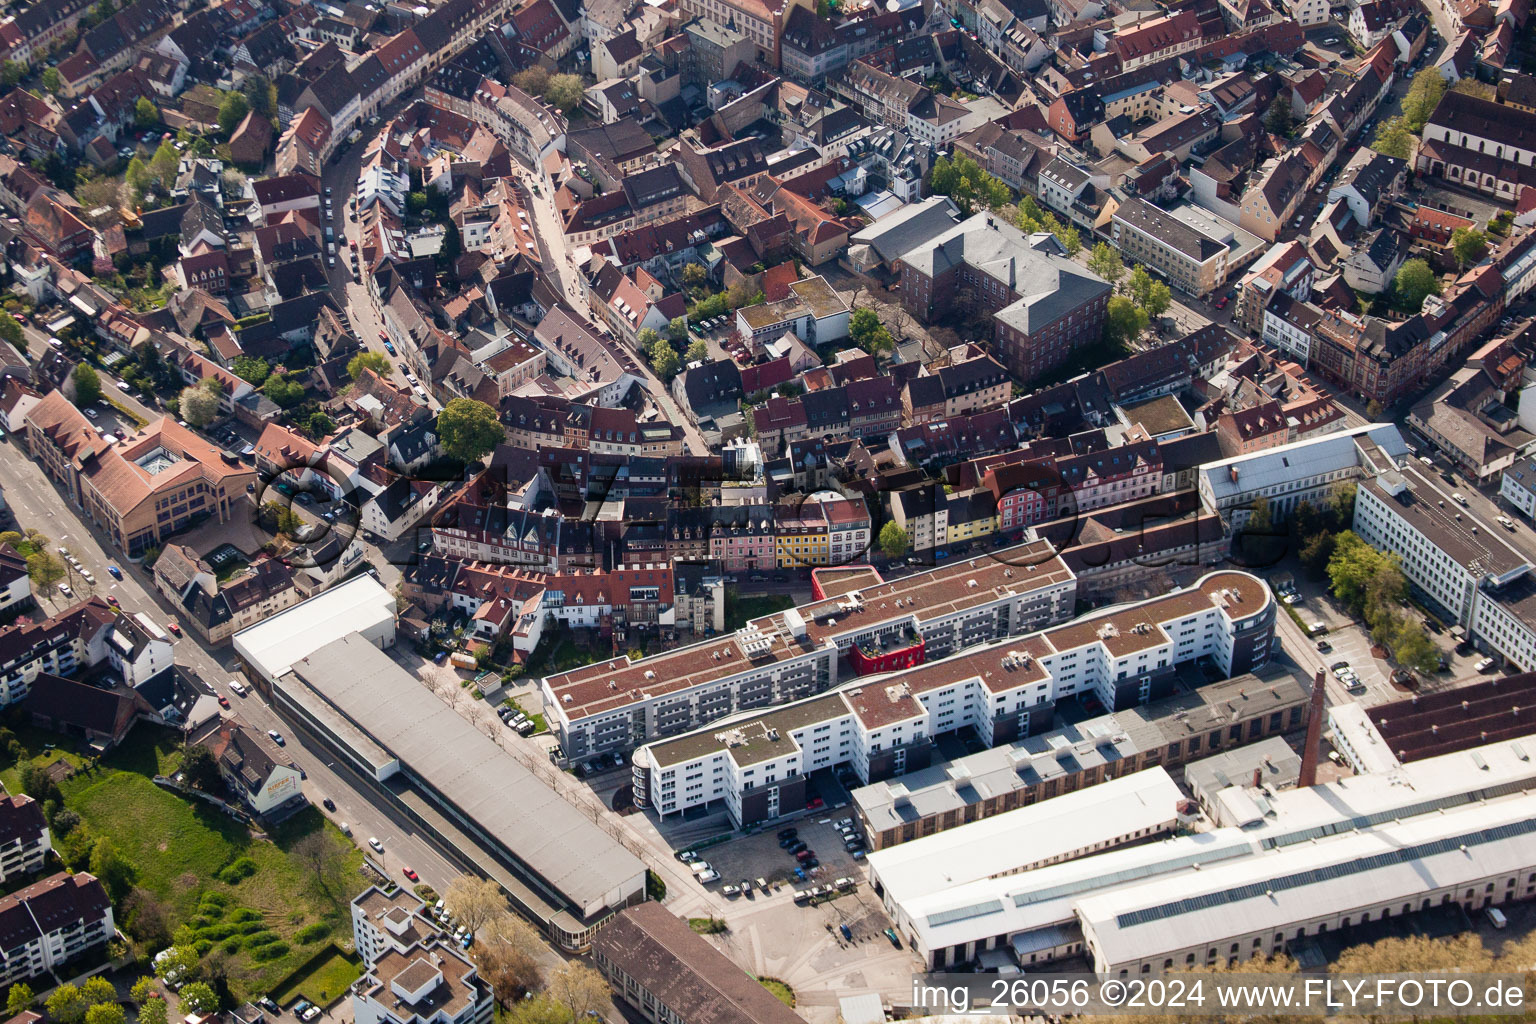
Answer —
764 856
1347 642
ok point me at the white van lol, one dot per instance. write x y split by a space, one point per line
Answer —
1496 917
346 829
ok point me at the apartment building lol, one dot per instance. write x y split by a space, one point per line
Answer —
883 728
145 487
1191 260
390 921
52 923
58 645
24 837
432 983
1190 725
618 704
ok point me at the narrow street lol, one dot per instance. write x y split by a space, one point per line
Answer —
546 226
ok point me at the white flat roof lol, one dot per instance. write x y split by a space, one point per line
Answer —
1047 896
357 606
1397 861
1010 842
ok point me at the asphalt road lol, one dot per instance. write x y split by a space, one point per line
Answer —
36 503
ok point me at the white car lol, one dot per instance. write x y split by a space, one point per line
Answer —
64 589
378 847
237 688
1484 665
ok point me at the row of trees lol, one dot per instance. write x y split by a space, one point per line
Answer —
1138 298
1371 584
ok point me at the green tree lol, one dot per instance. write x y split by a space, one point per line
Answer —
1148 292
1374 411
1414 649
1070 238
317 424
198 997
105 1013
12 72
1278 118
198 406
646 337
1468 244
46 572
10 330
112 869
1105 261
1422 97
252 369
1123 321
65 1004
677 328
232 111
180 963
164 165
375 361
1393 139
469 429
866 330
532 80
97 990
963 180
540 1009
693 275
415 202
564 92
51 80
283 390
139 178
202 769
145 113
698 351
18 998
1415 282
143 989
894 540
662 357
87 385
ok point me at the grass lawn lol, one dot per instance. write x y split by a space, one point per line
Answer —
781 991
740 610
179 846
322 982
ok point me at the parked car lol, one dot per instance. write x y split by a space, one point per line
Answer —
223 700
277 737
785 833
378 847
1484 665
408 873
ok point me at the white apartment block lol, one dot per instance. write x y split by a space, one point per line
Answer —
618 705
427 984
1002 691
1518 486
24 837
1307 470
384 922
51 923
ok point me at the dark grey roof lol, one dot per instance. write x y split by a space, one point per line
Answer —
913 225
1168 229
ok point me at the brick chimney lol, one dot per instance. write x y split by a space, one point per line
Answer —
1314 744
